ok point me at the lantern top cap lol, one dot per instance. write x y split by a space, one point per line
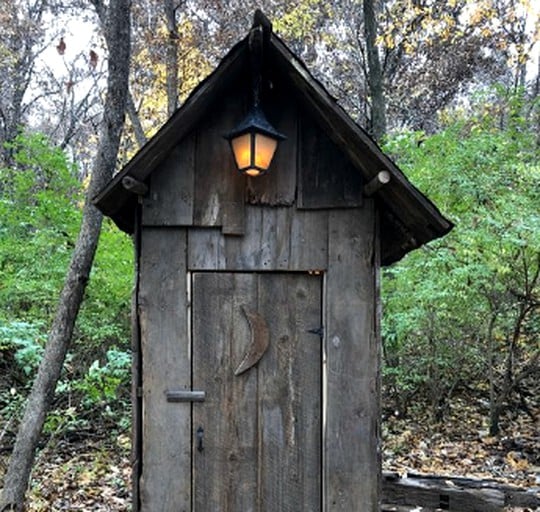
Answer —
255 121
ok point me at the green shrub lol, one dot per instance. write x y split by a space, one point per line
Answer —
40 214
449 305
26 342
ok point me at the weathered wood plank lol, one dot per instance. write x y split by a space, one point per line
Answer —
225 471
352 368
385 507
265 246
290 402
233 212
326 178
276 234
275 239
219 187
246 252
165 483
440 495
206 249
278 187
309 240
136 376
170 199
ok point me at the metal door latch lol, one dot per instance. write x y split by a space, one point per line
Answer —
184 395
200 436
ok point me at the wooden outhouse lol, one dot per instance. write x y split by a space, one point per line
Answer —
256 303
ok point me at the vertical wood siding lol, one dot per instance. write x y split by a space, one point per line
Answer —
165 484
352 369
247 241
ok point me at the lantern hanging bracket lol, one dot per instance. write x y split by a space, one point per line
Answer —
259 37
254 140
256 43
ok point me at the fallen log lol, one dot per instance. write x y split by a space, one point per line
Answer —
453 493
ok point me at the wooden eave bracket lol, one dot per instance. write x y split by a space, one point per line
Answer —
134 186
381 179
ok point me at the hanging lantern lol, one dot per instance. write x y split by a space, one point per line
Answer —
254 142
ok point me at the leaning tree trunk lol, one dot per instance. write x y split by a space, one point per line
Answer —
117 34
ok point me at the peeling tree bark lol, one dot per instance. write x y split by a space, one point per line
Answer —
117 34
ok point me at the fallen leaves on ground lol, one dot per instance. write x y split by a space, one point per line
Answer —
95 474
461 446
89 475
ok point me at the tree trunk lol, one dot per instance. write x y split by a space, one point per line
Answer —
493 410
18 61
171 58
117 34
133 115
375 78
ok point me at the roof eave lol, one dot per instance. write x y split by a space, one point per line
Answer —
113 198
415 219
421 219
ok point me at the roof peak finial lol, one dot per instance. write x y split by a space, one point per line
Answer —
260 19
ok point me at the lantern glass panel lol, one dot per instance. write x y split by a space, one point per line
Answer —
264 150
242 150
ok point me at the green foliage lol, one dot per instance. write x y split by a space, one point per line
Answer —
101 382
63 420
441 301
40 213
104 316
38 223
98 399
25 340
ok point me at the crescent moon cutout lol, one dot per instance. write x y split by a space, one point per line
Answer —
260 339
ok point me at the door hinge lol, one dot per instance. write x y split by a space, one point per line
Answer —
319 331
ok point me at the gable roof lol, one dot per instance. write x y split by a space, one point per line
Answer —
408 218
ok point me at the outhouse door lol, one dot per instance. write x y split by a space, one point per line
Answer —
257 437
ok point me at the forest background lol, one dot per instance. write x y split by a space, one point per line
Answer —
450 90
